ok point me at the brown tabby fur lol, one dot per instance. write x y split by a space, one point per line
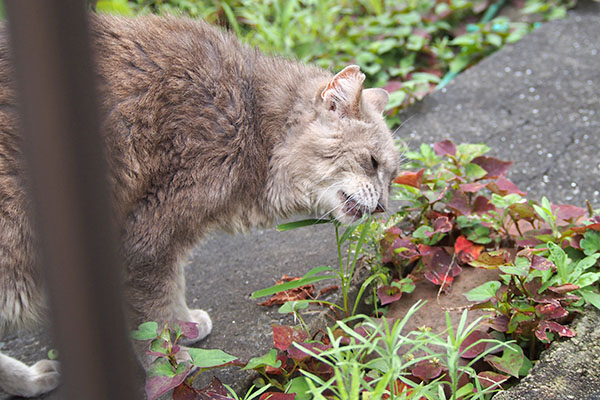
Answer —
201 133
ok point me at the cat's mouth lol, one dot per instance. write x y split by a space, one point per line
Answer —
350 207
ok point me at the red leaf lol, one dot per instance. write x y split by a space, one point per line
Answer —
503 186
314 347
583 229
185 392
489 379
471 187
468 349
156 386
500 323
481 205
444 147
277 396
393 85
284 336
552 326
409 178
541 263
188 329
427 370
299 293
459 203
568 212
551 310
562 289
440 225
388 294
493 166
465 250
440 268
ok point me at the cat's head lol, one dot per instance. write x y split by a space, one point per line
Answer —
345 159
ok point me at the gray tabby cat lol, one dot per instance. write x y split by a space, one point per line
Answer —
201 133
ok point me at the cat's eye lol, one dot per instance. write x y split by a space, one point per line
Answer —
374 163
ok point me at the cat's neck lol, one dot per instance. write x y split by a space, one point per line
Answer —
287 93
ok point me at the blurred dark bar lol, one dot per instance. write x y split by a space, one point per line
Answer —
64 151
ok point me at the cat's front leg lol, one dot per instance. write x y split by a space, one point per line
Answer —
182 312
18 379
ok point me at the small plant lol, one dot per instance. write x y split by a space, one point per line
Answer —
461 211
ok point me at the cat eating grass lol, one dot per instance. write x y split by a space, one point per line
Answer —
201 133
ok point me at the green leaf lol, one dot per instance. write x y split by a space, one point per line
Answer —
146 331
474 171
590 242
161 367
483 292
294 306
511 361
521 267
269 359
119 7
591 297
299 224
494 39
206 358
397 97
561 260
305 280
300 388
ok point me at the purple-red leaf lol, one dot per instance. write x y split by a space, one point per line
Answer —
158 385
490 379
565 288
188 329
503 187
427 370
315 347
493 166
541 263
470 348
459 203
388 294
440 225
444 147
568 212
482 204
277 396
440 269
284 336
551 310
499 323
471 187
552 326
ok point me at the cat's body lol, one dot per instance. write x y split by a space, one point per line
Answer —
201 133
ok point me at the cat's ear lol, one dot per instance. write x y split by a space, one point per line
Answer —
377 98
342 94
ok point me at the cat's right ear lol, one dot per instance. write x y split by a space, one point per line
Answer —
342 94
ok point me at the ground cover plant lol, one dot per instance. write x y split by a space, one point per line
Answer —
408 47
459 210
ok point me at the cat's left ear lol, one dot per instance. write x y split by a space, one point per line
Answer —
343 92
377 98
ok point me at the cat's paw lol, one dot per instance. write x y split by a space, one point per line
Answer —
203 323
21 380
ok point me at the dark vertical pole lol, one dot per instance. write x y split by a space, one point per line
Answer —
64 150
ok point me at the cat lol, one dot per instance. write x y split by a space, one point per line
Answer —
202 133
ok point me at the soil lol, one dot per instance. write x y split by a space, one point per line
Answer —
432 313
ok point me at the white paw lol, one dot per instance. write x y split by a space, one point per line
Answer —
20 380
203 323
